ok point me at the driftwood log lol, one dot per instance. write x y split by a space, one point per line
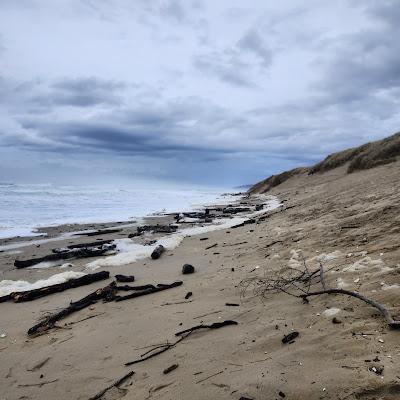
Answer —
156 254
157 229
160 287
72 253
99 232
107 293
29 295
124 278
50 321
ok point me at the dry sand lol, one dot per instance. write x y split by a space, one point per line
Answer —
351 223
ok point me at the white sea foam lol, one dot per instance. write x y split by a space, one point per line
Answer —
9 286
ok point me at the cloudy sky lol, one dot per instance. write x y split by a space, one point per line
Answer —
198 91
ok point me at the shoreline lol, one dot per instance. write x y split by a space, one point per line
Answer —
356 357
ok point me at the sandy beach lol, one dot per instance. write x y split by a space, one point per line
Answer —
330 219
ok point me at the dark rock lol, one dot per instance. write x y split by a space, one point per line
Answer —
281 394
187 269
336 321
188 294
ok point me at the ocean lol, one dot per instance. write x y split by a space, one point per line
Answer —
24 207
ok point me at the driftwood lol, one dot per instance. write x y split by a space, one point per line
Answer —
49 322
115 384
298 282
381 308
247 222
29 295
160 287
235 210
127 288
99 232
73 253
170 369
156 254
157 229
215 325
125 278
107 293
91 244
156 350
212 246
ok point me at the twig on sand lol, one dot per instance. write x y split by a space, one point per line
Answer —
208 377
115 384
40 384
205 315
159 349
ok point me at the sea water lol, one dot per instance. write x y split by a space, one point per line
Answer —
24 207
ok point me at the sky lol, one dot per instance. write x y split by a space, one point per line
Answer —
194 91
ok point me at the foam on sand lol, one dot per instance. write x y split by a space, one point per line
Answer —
129 252
9 286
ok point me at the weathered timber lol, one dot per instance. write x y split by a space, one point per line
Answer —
99 232
151 290
124 278
50 321
157 228
29 295
73 253
156 254
91 244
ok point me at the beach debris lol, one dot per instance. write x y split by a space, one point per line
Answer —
210 376
99 232
39 364
170 369
3 335
204 238
232 304
125 278
81 252
33 294
376 369
107 293
289 338
297 282
156 254
116 384
336 321
160 287
140 287
212 246
40 384
157 229
188 295
159 349
247 222
90 244
50 321
215 325
187 269
281 394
